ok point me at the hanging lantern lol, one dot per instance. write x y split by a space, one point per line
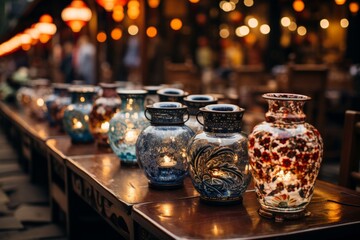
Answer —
109 5
76 15
46 28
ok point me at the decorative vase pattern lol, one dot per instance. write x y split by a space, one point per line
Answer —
76 115
161 147
105 106
194 103
171 95
127 124
285 156
56 103
218 157
42 90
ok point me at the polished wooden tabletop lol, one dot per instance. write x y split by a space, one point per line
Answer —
335 212
128 185
39 129
64 147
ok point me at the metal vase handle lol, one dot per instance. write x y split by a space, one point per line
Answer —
197 118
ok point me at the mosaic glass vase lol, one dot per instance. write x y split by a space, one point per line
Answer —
194 103
218 157
285 156
127 124
161 147
105 106
76 115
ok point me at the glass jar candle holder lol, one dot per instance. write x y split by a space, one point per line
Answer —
171 95
42 89
105 106
76 115
161 147
218 157
126 125
56 102
194 103
285 156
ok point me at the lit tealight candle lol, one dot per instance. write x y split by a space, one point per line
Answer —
167 162
104 127
77 124
131 136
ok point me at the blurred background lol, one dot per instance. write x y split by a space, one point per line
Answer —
234 49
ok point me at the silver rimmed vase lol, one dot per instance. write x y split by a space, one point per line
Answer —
161 147
218 157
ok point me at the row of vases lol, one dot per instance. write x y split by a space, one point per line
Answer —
283 153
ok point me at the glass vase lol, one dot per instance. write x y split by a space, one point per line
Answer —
105 106
161 147
56 102
194 103
285 156
76 115
218 157
127 124
171 95
42 90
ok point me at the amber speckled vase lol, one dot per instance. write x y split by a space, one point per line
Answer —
285 156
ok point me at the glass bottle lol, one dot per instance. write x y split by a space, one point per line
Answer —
56 101
76 115
105 106
285 156
127 124
194 103
161 147
218 157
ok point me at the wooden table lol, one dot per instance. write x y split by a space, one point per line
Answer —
112 190
58 152
335 214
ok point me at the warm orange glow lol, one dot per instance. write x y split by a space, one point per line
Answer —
44 38
176 24
116 33
151 32
133 12
194 1
109 5
340 2
353 7
153 3
46 18
101 37
46 28
118 13
76 15
298 5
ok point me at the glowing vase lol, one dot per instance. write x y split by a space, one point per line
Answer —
161 147
285 156
126 125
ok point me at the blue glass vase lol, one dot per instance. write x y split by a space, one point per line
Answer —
56 101
194 103
126 125
76 115
218 157
161 147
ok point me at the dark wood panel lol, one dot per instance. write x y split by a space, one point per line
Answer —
335 212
